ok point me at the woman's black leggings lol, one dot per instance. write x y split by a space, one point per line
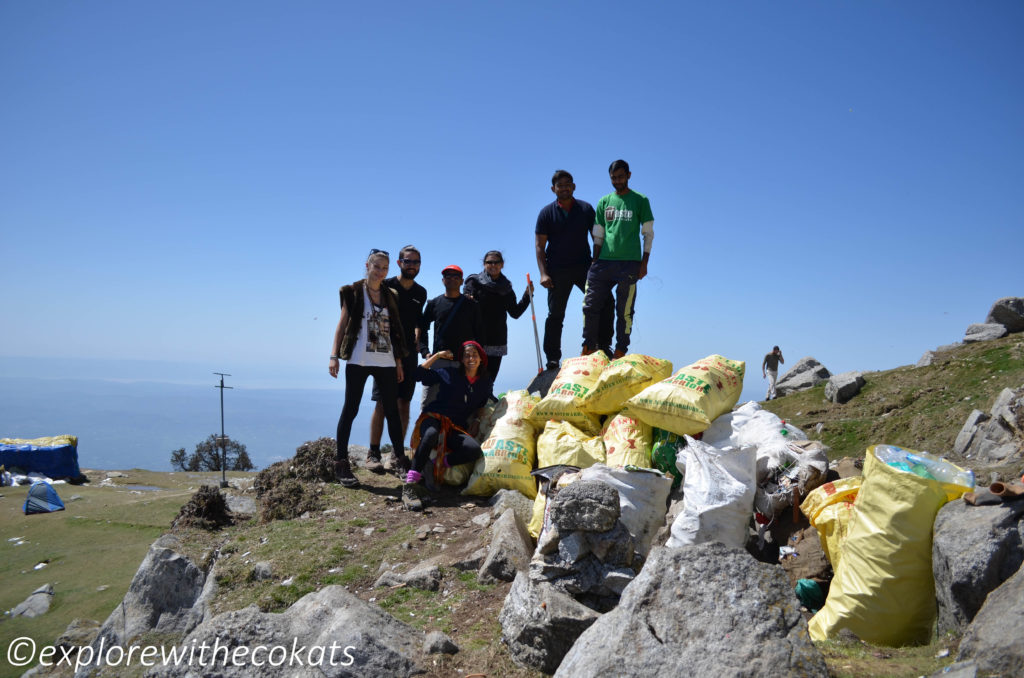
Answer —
462 449
387 384
493 365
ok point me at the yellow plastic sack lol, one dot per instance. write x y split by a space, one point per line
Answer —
564 401
687 402
563 443
624 378
830 508
509 451
627 442
48 441
883 590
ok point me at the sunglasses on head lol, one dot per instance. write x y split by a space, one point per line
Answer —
376 251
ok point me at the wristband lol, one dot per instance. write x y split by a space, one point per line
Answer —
335 357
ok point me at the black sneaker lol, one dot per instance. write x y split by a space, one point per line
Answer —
552 365
373 464
343 472
411 497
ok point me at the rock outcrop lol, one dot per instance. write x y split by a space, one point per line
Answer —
806 373
702 610
996 437
974 550
841 387
1008 312
984 332
993 640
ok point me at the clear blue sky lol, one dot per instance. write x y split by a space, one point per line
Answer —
190 182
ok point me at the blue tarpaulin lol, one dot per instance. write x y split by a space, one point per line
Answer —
54 457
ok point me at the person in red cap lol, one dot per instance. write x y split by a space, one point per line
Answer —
444 424
456 319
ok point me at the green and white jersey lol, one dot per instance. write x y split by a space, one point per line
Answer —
621 216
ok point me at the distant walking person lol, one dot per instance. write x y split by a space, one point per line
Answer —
563 258
411 297
493 291
369 338
623 218
770 369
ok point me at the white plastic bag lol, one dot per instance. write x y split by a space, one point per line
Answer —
718 495
643 499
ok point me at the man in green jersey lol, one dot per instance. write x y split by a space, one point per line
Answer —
622 220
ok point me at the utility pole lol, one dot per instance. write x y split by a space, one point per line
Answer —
223 440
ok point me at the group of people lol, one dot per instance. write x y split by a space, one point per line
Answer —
385 327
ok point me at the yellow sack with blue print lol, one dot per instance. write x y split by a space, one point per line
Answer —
622 379
564 401
884 590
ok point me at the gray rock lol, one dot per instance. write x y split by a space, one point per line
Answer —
168 594
587 505
377 643
240 504
573 547
511 499
614 547
974 550
1008 312
984 332
438 643
78 634
471 562
948 347
509 552
262 571
703 610
997 437
482 520
841 387
427 578
539 623
927 358
37 603
993 640
806 373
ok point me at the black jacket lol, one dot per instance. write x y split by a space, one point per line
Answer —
496 299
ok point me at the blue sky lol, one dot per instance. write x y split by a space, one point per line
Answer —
188 183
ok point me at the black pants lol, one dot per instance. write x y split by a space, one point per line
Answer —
355 380
462 449
493 365
563 280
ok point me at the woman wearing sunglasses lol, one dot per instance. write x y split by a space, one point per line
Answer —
493 291
370 340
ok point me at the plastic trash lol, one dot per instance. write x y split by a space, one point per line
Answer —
925 465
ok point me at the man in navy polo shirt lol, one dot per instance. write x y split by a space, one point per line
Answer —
563 258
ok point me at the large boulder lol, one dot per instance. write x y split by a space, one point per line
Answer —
702 610
37 603
329 632
983 332
841 387
993 640
974 550
806 373
539 623
1008 312
996 437
509 552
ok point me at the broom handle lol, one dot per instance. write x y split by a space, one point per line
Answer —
533 316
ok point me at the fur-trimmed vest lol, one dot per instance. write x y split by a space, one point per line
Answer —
353 296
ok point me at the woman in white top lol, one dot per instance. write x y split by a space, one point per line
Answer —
369 338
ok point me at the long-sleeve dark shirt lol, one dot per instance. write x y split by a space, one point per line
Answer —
494 305
456 398
466 324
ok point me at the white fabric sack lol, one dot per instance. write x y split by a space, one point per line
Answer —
718 495
643 499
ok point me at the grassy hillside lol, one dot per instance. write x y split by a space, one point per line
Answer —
922 408
101 538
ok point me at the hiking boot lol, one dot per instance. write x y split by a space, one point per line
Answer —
411 497
343 472
401 463
373 464
552 365
618 354
586 350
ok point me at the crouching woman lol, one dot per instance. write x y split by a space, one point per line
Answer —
444 424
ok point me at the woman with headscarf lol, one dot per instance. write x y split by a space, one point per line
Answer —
445 422
370 340
493 291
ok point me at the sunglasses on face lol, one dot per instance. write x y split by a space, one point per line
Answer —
410 262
